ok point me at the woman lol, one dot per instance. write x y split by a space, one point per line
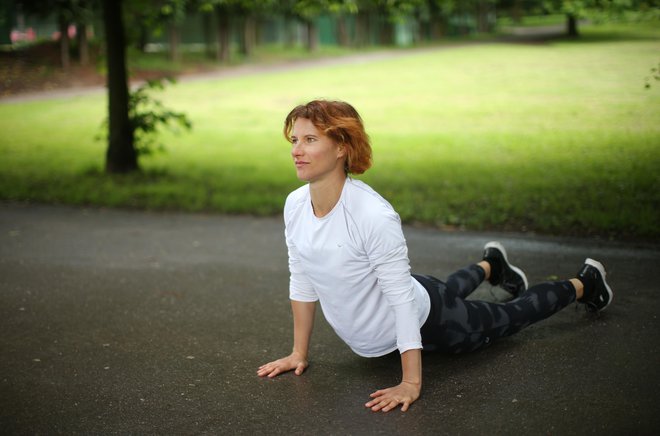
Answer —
347 251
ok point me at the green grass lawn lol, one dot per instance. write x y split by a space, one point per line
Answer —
559 138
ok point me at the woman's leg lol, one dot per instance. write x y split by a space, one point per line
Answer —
457 325
460 325
494 267
464 281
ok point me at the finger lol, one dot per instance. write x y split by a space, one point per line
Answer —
380 405
377 407
405 406
374 405
274 372
300 368
264 372
392 404
376 400
268 367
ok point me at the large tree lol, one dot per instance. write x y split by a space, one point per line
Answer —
121 156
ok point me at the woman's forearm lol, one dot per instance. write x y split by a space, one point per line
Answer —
303 323
411 366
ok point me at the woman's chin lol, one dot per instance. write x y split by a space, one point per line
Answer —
302 176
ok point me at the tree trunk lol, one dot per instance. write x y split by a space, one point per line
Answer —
483 10
224 34
65 58
7 10
312 36
290 31
572 26
342 31
517 11
419 27
386 33
362 29
209 40
83 44
143 34
174 38
248 36
121 156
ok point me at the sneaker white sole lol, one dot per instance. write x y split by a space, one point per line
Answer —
517 270
599 266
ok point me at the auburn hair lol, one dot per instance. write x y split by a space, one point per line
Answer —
340 122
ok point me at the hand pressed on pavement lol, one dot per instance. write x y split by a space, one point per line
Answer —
387 399
294 361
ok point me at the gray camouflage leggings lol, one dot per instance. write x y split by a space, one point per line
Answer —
456 325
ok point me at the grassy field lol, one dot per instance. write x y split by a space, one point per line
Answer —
559 138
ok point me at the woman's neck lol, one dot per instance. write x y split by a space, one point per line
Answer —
325 194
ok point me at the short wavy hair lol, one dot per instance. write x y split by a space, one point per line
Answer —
340 122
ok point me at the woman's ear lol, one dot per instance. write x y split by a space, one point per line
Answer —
341 150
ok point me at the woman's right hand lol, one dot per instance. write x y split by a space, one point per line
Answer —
294 361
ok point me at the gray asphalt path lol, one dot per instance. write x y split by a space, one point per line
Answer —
121 322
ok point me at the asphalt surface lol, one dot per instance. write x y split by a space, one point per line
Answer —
122 322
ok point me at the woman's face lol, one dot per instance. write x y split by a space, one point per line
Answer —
315 155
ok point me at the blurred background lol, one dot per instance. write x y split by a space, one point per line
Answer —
512 115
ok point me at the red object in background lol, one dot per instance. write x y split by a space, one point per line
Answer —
28 34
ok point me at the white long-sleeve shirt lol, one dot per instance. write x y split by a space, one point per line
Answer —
354 261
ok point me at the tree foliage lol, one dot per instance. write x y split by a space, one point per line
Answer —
148 116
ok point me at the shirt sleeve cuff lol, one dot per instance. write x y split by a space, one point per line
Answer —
409 346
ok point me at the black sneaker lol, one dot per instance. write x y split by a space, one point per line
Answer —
597 293
502 273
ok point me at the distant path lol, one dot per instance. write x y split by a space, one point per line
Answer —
516 35
244 70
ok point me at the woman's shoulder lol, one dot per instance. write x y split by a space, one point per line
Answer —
298 193
296 198
373 218
363 201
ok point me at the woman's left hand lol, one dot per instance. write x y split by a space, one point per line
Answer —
387 399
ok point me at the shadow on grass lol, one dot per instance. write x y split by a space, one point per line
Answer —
160 189
588 33
145 175
609 37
